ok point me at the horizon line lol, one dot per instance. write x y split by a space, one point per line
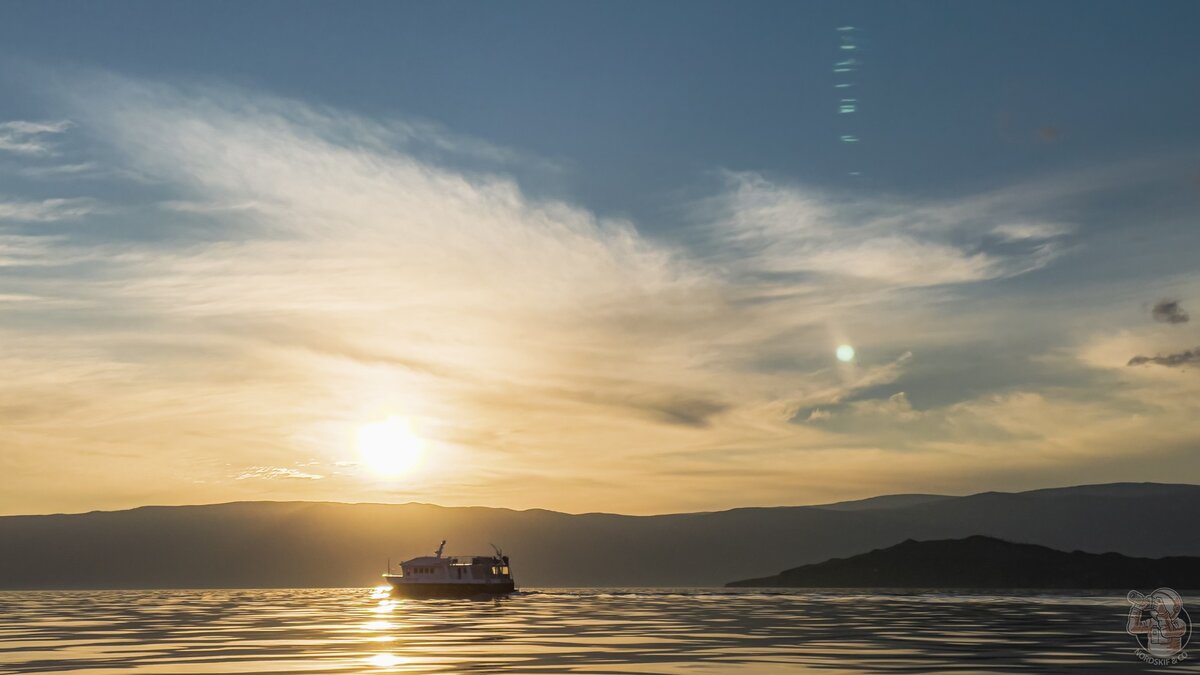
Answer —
594 513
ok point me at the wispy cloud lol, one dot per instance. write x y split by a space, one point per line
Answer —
760 227
276 472
76 169
206 207
17 250
46 210
1187 357
1031 231
30 138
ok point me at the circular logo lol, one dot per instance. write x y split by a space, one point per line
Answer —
1160 624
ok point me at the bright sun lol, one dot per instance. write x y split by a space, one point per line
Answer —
390 448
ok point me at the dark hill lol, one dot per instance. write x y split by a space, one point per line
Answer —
305 544
985 562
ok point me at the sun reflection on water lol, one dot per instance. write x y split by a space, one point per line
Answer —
378 625
385 660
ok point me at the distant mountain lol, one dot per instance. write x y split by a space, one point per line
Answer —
307 544
884 502
985 562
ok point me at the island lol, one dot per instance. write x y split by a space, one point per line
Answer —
986 562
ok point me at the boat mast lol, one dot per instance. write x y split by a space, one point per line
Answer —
440 548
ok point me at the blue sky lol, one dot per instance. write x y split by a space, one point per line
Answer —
637 100
625 230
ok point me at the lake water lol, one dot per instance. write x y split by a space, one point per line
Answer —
563 631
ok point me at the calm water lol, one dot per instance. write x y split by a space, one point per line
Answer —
562 631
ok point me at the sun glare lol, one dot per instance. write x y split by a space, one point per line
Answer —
845 353
390 448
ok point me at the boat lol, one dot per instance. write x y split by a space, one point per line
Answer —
439 576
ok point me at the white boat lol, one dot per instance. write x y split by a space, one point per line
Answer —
439 576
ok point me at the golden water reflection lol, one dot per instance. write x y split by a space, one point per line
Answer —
558 631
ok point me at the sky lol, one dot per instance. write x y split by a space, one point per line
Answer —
594 256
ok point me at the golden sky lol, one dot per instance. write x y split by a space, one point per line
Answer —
269 276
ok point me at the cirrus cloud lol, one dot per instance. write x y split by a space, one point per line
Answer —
30 138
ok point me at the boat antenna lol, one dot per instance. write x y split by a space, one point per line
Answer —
439 552
499 553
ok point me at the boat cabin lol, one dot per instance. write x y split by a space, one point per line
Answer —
434 576
455 568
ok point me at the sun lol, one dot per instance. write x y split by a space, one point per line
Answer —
845 353
390 448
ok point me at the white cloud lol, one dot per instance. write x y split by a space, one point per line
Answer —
1030 231
206 207
46 210
23 251
76 169
276 472
17 297
34 128
760 227
29 138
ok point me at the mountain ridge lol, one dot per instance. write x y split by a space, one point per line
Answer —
1077 489
302 544
985 562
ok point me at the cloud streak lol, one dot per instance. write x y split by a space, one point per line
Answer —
1187 357
30 138
276 472
759 227
46 210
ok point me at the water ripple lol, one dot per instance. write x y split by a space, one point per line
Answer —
561 631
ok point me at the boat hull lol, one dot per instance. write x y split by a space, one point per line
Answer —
438 590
